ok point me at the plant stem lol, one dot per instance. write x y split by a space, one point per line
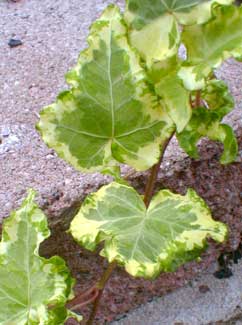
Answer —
198 101
191 101
83 299
100 286
150 186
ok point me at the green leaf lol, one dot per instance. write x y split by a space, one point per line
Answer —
200 13
206 123
155 24
218 97
144 12
33 290
170 232
190 79
158 40
208 45
175 98
110 115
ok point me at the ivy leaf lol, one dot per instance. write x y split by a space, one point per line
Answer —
158 40
33 290
170 232
208 45
205 122
155 24
175 98
190 79
144 12
110 115
201 12
218 97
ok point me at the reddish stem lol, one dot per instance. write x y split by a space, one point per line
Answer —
150 186
87 302
198 100
82 299
100 286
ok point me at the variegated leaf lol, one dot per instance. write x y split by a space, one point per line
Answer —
208 45
33 290
170 232
218 97
175 98
110 115
206 122
155 24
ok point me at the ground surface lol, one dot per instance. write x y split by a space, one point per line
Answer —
53 33
205 300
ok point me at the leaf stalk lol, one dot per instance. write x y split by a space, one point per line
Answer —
150 186
100 287
198 100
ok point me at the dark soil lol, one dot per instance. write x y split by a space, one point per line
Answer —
220 186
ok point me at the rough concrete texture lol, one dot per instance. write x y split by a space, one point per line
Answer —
205 300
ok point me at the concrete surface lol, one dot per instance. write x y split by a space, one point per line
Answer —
206 300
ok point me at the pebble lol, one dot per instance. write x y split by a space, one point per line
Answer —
13 42
14 139
203 288
5 132
68 181
49 156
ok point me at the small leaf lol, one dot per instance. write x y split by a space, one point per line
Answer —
206 123
218 97
190 79
110 115
146 241
33 290
208 45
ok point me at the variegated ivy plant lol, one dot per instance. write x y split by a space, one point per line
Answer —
130 93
